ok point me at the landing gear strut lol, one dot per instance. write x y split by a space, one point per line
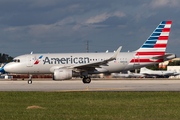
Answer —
86 79
30 80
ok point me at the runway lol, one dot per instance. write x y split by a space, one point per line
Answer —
95 85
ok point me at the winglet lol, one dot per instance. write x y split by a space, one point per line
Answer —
116 53
97 64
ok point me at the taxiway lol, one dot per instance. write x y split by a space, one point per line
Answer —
95 85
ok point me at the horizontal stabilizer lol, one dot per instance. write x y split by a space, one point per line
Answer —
167 56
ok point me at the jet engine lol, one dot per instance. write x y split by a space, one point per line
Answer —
62 74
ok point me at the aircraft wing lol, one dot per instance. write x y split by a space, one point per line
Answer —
93 65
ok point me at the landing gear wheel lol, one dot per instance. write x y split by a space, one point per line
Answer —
29 81
86 80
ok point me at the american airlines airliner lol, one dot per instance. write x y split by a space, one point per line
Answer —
64 66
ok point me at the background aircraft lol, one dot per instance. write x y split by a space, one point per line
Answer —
128 75
157 73
67 65
2 69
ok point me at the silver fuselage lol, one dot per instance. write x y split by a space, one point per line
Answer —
50 62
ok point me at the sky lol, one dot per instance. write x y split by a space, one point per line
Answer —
65 26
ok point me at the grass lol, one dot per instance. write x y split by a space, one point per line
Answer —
90 105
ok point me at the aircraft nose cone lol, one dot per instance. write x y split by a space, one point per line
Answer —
7 68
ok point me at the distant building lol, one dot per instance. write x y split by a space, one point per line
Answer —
165 63
175 59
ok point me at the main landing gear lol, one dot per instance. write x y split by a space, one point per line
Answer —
86 79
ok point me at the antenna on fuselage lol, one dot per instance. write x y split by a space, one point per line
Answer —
87 47
31 52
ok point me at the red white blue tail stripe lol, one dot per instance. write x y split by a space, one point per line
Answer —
38 60
155 45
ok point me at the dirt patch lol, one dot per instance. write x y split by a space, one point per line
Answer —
35 107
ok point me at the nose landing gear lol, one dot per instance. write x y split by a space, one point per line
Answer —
30 79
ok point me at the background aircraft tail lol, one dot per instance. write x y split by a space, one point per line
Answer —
2 69
144 69
155 45
128 72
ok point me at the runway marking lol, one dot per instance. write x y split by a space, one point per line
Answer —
94 89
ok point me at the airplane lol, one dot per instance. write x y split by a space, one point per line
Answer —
128 75
64 66
157 73
2 69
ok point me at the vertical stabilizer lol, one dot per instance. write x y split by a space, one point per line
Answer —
155 45
144 69
128 72
157 41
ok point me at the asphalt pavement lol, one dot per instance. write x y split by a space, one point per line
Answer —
95 85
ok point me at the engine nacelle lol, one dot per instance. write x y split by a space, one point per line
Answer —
62 74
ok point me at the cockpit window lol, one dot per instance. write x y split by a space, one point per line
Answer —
16 60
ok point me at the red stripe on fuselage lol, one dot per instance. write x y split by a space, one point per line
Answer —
144 60
150 53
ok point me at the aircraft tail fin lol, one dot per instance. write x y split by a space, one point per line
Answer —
128 72
157 41
155 45
2 69
144 69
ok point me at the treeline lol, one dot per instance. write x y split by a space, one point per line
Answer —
156 67
4 58
175 63
152 67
